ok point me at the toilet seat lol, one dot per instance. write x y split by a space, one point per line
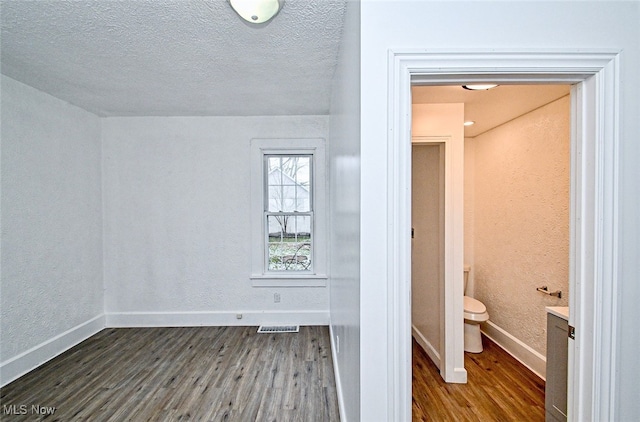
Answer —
474 310
473 306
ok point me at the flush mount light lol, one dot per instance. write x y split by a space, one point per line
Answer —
479 87
256 11
469 123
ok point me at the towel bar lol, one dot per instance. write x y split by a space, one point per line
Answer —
546 291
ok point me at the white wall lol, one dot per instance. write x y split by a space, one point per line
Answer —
51 227
344 217
485 26
177 222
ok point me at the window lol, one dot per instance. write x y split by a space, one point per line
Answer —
288 220
288 212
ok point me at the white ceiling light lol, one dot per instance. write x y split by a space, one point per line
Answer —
469 123
256 11
479 87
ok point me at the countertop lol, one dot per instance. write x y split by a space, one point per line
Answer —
559 311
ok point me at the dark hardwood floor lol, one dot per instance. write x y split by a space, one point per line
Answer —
499 388
171 374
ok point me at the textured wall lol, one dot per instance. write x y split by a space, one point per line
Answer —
344 215
469 211
177 222
522 220
51 218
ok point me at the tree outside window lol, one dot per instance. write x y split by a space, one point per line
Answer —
288 212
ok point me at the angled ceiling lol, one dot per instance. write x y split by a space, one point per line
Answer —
174 57
198 58
489 109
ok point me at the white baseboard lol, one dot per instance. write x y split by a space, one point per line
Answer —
533 360
336 374
196 319
19 365
459 376
426 345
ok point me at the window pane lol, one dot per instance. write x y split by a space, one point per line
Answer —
289 183
289 242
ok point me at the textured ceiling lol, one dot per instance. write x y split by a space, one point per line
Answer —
174 57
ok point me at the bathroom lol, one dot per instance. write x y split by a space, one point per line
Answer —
516 212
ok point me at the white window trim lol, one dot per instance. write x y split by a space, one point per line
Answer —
318 276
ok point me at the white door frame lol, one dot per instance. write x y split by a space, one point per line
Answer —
594 207
451 351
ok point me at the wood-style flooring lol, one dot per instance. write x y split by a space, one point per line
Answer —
499 388
172 374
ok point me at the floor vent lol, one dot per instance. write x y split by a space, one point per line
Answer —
268 329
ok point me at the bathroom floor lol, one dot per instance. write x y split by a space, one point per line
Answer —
499 388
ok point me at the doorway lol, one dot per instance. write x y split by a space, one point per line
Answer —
516 202
444 131
427 250
593 223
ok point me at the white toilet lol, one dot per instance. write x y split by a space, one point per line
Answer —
474 313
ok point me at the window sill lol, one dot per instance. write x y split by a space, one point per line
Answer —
284 280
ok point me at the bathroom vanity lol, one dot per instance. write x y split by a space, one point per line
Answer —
555 398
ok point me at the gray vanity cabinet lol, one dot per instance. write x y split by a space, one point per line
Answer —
555 401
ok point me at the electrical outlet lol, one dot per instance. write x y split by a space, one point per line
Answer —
276 298
239 316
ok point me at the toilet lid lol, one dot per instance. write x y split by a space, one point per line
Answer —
474 306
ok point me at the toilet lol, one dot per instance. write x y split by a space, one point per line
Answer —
474 313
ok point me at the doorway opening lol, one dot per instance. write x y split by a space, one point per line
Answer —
516 223
595 110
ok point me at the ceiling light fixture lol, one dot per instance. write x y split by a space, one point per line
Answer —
256 11
479 87
469 123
